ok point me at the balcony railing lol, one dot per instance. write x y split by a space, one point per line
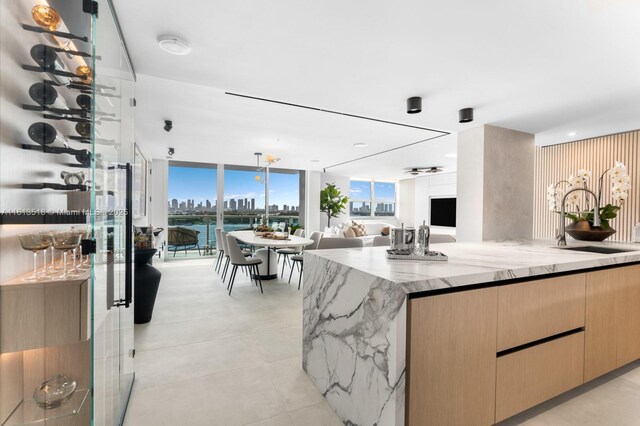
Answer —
206 226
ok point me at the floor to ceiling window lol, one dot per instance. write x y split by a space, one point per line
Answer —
192 198
244 197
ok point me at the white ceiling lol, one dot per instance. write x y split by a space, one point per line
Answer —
546 67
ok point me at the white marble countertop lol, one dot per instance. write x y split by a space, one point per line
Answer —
475 263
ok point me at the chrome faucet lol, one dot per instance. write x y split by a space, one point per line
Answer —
562 238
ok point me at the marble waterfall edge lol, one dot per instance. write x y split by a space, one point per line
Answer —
355 341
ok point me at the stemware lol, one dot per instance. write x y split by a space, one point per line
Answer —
82 265
34 243
65 241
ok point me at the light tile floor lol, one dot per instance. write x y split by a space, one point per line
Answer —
208 358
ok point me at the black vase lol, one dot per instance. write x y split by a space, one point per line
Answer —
146 281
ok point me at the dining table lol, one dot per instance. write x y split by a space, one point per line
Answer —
269 268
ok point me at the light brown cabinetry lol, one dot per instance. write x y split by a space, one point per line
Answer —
452 359
612 320
528 377
481 356
538 309
629 315
600 346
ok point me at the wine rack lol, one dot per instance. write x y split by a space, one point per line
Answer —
55 59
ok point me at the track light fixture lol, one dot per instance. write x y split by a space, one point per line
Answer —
465 115
168 125
414 105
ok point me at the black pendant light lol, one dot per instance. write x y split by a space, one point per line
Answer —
414 105
465 115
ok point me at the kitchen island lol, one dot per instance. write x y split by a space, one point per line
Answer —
498 328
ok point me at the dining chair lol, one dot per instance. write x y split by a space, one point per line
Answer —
298 259
334 243
225 248
219 249
381 240
289 251
238 259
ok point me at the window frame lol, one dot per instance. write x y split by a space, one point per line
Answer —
372 200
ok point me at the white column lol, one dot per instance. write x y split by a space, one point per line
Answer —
495 184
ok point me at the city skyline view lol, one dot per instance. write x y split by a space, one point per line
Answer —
239 185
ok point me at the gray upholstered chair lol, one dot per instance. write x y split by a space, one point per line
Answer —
298 259
381 240
219 249
238 259
335 243
225 249
290 251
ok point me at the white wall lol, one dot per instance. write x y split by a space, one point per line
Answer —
312 200
158 214
470 184
343 184
415 195
406 201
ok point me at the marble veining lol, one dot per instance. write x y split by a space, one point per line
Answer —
354 325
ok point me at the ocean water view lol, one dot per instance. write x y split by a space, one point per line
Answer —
207 231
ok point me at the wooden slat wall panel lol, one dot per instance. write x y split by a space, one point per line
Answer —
557 162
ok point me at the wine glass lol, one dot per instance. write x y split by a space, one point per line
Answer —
81 232
34 242
65 241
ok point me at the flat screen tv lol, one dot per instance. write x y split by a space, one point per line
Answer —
443 212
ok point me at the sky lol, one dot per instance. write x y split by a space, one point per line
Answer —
200 184
361 190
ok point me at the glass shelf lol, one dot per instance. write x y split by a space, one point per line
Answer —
29 413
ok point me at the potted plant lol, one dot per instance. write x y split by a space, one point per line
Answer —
332 202
581 206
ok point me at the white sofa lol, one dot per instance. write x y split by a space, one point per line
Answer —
373 229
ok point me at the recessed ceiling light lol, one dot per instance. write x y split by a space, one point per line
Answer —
452 155
572 134
315 161
174 45
360 145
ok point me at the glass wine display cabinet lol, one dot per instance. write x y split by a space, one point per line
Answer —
66 184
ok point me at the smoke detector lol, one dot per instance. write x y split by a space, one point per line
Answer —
174 45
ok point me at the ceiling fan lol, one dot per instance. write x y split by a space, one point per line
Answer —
415 171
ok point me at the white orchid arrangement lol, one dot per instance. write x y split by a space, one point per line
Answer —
620 186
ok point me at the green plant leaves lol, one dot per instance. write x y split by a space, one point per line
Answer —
332 202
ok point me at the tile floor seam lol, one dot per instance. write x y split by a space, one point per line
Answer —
187 379
161 323
140 351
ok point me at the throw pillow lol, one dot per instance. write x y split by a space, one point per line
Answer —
385 230
349 233
359 229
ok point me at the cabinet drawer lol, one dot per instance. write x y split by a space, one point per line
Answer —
536 374
537 309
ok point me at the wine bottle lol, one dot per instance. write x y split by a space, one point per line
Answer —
84 129
45 95
84 102
48 59
45 134
85 73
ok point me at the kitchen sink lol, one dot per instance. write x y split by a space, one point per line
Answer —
596 249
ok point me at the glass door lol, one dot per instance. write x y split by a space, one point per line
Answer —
113 152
